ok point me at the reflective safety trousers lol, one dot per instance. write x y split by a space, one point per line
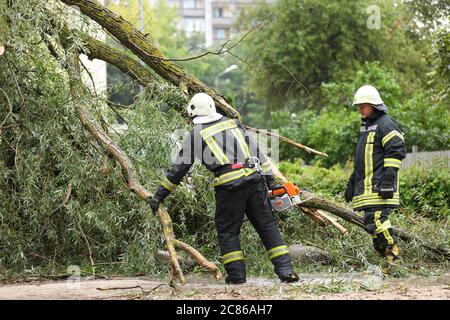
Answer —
217 144
381 144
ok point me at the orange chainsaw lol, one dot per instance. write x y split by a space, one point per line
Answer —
285 196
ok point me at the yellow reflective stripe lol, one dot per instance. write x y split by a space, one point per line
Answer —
229 254
240 138
366 196
383 228
388 237
266 165
394 165
376 219
376 202
217 151
277 251
390 135
379 201
377 197
267 168
219 127
392 162
276 248
233 256
368 165
391 165
233 175
168 184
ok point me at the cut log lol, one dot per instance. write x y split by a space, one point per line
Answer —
309 255
334 222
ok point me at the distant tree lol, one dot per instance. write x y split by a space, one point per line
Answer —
304 43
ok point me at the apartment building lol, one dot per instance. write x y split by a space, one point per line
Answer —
214 18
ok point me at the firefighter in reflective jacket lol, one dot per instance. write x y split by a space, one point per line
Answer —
373 186
242 176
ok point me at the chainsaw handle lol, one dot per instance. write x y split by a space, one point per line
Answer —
278 191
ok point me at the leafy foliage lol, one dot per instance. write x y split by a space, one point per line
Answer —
45 153
314 41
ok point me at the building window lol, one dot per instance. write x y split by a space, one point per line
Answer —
192 4
193 25
218 12
220 33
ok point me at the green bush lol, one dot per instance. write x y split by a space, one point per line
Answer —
330 182
426 190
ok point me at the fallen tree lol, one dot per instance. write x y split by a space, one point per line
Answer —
135 41
24 129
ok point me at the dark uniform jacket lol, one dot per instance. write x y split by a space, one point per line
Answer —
381 144
217 145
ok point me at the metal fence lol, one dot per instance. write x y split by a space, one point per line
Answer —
425 158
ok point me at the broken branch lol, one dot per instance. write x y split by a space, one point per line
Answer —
292 142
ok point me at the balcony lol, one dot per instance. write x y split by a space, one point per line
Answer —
193 12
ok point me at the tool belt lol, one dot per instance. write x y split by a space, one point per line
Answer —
251 163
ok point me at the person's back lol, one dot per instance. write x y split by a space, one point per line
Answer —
242 175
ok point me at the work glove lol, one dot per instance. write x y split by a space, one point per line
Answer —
349 190
154 203
158 198
271 184
387 187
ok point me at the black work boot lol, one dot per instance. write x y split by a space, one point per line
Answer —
235 281
290 277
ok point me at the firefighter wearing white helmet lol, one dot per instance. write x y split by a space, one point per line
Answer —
242 174
373 186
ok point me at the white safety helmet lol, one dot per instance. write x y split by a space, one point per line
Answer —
368 94
201 104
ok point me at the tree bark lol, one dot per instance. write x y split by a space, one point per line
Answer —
102 51
144 48
201 261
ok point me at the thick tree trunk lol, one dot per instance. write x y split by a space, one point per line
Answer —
102 51
134 40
